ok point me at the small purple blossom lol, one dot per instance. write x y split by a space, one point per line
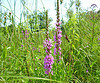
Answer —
59 36
47 51
60 57
87 70
45 43
59 31
59 53
23 32
26 31
55 51
21 46
58 23
54 38
52 72
59 48
99 40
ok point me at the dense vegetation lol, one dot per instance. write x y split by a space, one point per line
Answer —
22 54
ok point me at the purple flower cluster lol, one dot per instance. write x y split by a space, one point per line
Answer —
34 48
48 43
23 32
48 61
26 33
57 39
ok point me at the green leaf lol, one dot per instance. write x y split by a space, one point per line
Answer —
35 78
92 64
5 52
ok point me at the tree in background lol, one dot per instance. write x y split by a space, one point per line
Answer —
41 16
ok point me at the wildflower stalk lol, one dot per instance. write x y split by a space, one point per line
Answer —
26 38
57 39
93 28
47 24
57 36
93 23
57 24
48 61
27 62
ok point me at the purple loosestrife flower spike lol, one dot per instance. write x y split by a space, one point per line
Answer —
57 36
48 61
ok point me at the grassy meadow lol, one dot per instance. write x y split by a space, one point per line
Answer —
22 53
